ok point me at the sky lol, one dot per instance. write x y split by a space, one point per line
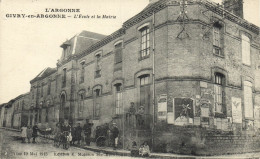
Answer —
27 46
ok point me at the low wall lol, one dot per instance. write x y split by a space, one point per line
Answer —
201 141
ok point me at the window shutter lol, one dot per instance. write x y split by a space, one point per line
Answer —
224 108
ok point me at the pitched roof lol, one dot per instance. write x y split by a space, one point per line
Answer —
92 35
47 71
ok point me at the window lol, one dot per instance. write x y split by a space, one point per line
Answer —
248 99
40 116
56 84
82 72
246 50
219 92
81 104
118 98
49 87
98 68
145 42
42 90
46 115
118 53
217 46
64 77
97 102
32 92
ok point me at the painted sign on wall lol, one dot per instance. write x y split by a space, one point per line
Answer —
236 110
183 111
162 107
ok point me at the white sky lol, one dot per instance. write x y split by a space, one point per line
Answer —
27 46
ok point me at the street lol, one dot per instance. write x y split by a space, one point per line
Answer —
12 148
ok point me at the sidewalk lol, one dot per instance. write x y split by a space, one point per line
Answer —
121 152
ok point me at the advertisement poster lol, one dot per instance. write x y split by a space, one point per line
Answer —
236 110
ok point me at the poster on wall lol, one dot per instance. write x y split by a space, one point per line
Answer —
236 110
183 111
162 107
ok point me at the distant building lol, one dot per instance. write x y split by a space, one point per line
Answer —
190 70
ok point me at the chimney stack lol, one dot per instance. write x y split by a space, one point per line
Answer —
234 6
153 1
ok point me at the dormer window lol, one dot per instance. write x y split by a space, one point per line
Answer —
66 48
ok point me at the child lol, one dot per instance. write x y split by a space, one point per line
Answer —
134 150
24 134
144 150
29 134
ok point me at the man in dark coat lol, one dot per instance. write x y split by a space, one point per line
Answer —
78 133
35 131
115 135
87 131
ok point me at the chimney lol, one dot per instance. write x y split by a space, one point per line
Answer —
153 1
234 6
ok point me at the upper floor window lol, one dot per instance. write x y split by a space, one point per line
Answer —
145 42
246 50
219 92
98 67
32 92
49 87
81 103
248 99
217 36
64 77
118 53
82 71
42 90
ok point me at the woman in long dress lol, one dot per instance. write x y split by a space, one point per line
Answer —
24 133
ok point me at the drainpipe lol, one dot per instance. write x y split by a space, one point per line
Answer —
153 80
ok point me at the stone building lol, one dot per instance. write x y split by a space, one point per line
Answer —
2 113
20 111
189 68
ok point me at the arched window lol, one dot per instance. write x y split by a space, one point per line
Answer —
145 93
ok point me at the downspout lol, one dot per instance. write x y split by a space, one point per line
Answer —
153 81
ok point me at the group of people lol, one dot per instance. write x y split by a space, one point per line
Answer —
29 133
64 133
143 151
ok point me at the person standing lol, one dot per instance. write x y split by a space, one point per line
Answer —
35 131
87 131
29 134
66 130
24 133
115 135
78 133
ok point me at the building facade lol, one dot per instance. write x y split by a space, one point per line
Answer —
177 66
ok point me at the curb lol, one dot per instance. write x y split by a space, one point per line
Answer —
127 153
11 129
